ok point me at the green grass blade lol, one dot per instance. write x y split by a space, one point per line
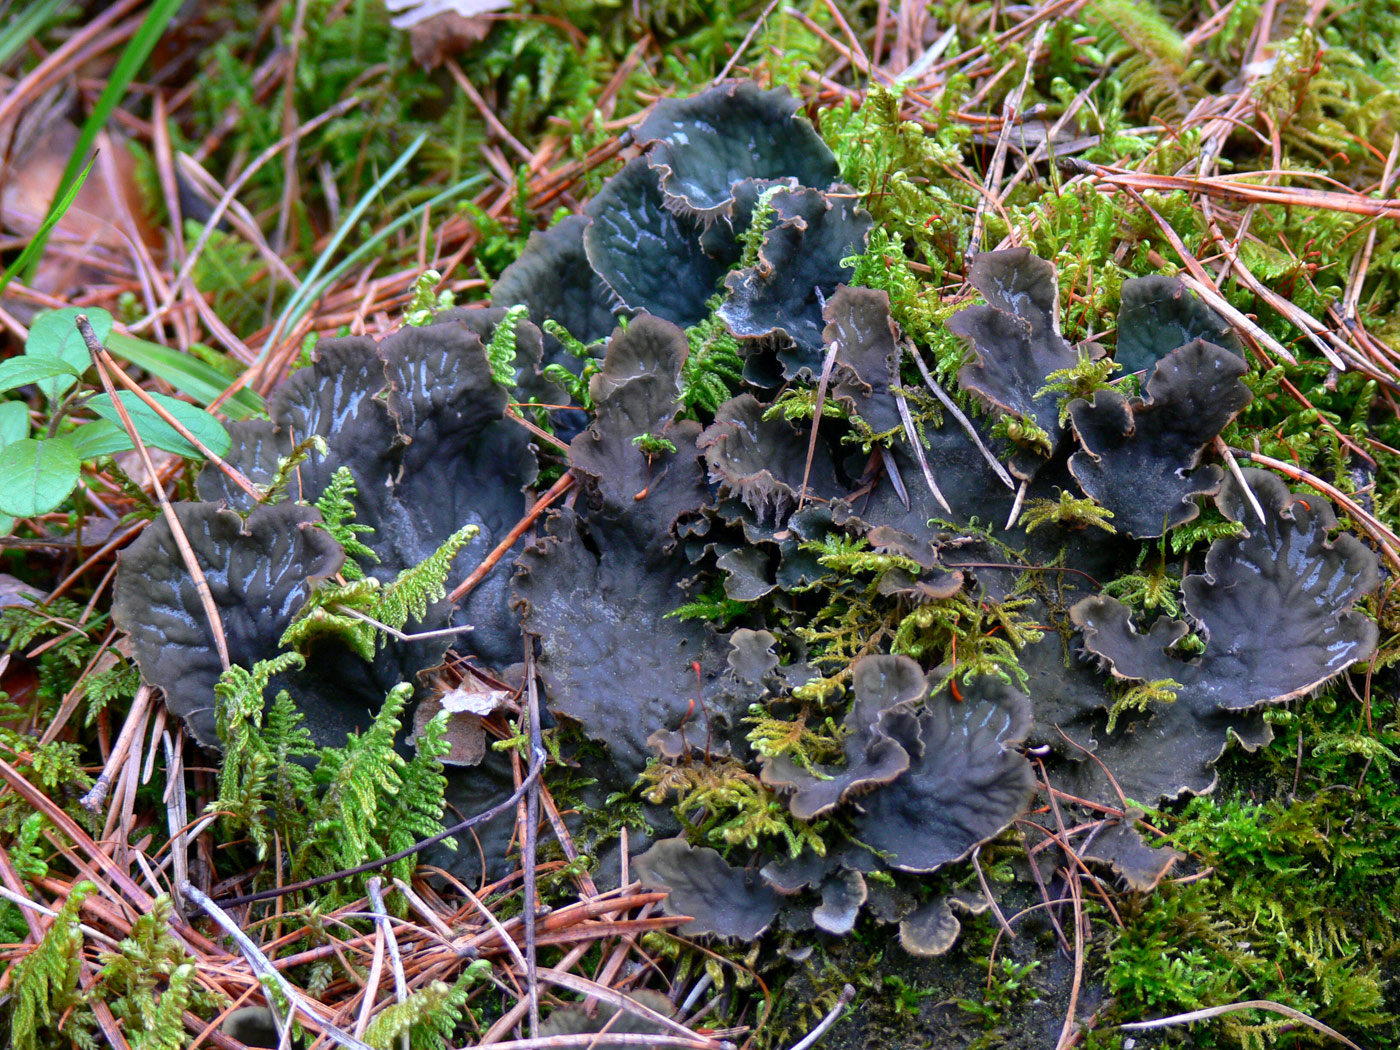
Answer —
308 292
27 25
317 283
35 247
130 63
187 374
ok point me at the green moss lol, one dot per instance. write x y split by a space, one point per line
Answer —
1069 510
721 804
1300 904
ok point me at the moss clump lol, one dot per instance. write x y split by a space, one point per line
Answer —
1300 906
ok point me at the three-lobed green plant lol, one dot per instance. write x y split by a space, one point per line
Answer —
38 473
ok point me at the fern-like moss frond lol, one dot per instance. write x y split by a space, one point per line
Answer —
45 982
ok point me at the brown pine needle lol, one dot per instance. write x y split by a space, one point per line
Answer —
230 471
206 597
523 526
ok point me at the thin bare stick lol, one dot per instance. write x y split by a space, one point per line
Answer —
1233 189
843 1000
488 115
892 469
1199 281
584 986
201 585
1016 506
913 434
176 814
1315 330
744 44
695 994
157 731
230 471
532 824
987 892
25 902
74 696
857 51
1009 113
521 527
1238 475
1389 541
10 878
1067 1032
1363 259
857 60
355 614
381 918
1053 10
266 971
1047 145
100 31
587 1039
958 414
817 419
539 432
1252 1004
291 182
118 539
371 988
420 906
456 829
566 842
506 1023
140 704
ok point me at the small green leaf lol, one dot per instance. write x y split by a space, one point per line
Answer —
21 371
54 337
14 422
185 373
36 476
157 433
114 89
99 438
29 257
